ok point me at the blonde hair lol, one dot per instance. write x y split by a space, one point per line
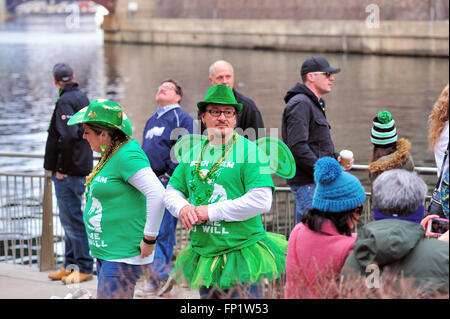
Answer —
438 118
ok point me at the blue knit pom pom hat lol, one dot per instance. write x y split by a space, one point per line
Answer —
336 190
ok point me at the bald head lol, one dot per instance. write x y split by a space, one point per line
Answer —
221 72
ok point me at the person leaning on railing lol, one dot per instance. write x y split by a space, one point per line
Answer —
69 158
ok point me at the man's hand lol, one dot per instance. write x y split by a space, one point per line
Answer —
202 213
349 165
59 175
188 216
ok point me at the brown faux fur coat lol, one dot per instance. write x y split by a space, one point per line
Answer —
399 159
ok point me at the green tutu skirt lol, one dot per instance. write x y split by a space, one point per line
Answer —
264 259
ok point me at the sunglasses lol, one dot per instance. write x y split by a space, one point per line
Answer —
327 74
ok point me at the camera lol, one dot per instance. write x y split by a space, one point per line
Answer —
437 226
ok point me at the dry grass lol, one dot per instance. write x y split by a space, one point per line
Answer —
331 286
328 285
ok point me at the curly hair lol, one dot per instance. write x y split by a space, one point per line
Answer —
438 118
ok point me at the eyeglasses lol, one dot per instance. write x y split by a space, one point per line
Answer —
217 113
327 74
166 87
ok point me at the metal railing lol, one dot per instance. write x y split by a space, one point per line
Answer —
30 231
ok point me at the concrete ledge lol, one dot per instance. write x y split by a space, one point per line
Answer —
392 37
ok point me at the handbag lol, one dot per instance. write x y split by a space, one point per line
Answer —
435 207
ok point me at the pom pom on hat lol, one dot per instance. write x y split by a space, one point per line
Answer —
383 131
336 190
384 117
326 170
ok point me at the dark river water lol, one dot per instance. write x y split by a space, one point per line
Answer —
130 74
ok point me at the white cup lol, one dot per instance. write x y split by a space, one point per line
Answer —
346 157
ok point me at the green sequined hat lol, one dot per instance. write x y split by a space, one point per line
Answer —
220 94
103 112
383 131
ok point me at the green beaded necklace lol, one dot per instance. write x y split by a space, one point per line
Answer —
204 177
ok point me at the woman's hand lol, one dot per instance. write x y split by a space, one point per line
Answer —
424 223
444 237
146 249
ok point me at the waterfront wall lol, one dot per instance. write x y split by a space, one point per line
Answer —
396 37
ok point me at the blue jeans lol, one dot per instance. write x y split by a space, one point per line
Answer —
241 291
303 196
69 192
117 280
161 267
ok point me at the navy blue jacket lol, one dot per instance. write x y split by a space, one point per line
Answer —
160 136
66 151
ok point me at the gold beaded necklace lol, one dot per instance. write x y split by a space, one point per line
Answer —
216 165
103 162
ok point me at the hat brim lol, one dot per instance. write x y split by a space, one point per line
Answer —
238 106
332 70
81 117
281 160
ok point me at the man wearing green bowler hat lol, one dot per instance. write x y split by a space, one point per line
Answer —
230 252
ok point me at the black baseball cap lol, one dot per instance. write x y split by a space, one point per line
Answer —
317 64
62 72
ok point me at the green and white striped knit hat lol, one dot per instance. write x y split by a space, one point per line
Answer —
383 132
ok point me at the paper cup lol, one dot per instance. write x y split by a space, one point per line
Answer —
346 157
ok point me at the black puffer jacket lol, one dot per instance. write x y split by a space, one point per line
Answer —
306 132
66 151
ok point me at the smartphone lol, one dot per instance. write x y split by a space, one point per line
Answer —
437 226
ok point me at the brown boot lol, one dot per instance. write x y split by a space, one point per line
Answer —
58 275
76 277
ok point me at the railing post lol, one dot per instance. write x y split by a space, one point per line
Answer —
47 258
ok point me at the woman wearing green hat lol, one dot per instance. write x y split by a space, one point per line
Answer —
124 205
230 252
389 151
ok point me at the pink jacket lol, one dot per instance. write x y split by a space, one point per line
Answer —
317 253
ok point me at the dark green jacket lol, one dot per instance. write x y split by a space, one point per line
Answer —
403 247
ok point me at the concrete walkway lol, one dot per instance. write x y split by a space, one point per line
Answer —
24 282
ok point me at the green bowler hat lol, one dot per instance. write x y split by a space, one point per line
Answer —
103 112
220 94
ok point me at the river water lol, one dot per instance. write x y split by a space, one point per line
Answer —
130 74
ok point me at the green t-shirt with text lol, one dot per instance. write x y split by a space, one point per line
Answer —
115 212
241 171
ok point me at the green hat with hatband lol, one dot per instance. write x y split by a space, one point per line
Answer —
220 94
104 113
